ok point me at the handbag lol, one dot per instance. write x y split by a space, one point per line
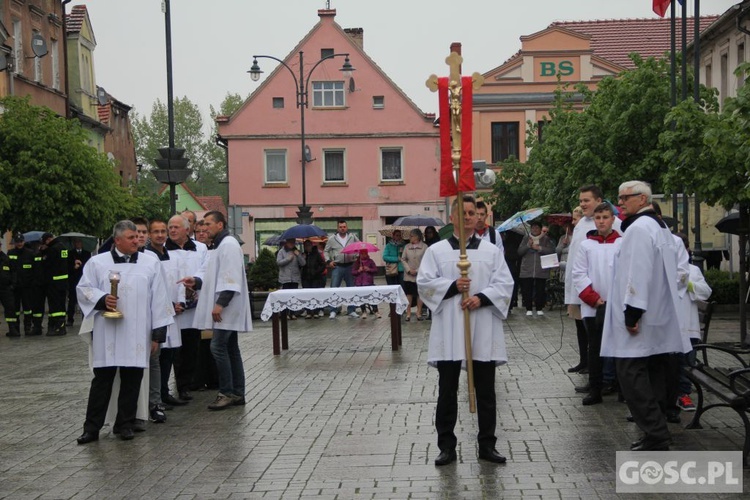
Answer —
391 269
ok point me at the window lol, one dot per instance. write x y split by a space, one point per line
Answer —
328 94
504 141
709 79
539 130
55 65
378 102
18 47
334 165
326 53
278 103
390 164
275 166
37 64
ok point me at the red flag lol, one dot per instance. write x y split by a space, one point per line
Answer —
447 181
466 170
466 173
660 7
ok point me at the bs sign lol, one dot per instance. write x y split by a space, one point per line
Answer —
548 68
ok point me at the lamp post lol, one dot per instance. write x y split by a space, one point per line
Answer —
301 85
172 165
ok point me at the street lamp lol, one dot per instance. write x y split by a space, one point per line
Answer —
301 85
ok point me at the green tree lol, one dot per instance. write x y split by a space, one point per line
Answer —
264 275
51 179
512 190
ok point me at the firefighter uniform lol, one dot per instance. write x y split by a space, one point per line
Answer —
7 283
23 260
55 265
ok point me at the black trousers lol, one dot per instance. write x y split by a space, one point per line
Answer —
206 375
186 359
166 360
447 406
643 382
534 293
101 391
594 328
24 299
72 303
56 294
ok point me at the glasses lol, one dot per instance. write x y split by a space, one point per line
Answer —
626 197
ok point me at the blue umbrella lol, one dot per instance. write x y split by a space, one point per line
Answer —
32 236
302 231
519 218
274 240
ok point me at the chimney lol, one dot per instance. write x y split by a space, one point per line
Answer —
357 35
326 13
456 47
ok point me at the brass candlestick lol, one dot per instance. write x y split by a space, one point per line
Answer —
114 281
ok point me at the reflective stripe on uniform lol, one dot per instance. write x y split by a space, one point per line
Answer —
27 266
11 320
13 257
55 315
61 277
6 268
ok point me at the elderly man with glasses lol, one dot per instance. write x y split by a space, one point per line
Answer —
641 326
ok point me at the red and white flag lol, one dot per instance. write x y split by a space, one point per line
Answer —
661 6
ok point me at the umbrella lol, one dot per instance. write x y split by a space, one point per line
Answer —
302 231
559 219
358 246
387 231
519 218
729 224
33 236
418 220
89 242
274 240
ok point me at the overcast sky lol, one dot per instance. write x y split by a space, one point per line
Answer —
213 42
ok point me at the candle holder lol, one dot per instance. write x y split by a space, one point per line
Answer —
114 281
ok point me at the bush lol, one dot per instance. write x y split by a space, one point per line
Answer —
726 290
264 275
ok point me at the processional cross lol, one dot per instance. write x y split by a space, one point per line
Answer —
456 169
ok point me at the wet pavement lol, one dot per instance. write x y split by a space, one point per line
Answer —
338 415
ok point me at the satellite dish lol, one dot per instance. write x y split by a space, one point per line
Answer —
3 62
352 86
308 154
38 45
101 96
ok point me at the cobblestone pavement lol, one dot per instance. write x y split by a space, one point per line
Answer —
338 415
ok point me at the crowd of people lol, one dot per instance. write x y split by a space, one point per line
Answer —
162 297
629 287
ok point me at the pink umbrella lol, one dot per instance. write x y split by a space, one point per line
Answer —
356 247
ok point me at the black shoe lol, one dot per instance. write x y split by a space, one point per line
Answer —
637 443
584 370
70 322
446 457
630 418
126 434
171 400
57 332
185 396
491 455
650 445
582 389
592 399
610 389
139 425
88 437
13 334
673 418
577 368
36 331
156 415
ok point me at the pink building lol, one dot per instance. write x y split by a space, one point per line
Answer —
373 153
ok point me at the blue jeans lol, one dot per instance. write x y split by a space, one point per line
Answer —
339 274
226 352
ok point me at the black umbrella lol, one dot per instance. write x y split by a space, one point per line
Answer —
729 224
418 220
302 231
